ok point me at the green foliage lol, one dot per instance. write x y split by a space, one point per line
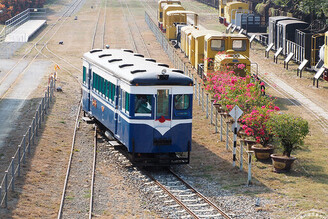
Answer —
317 6
281 3
10 8
290 130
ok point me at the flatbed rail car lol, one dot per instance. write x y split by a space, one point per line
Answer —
146 105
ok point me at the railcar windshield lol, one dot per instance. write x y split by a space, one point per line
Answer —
163 103
143 105
239 45
217 45
181 102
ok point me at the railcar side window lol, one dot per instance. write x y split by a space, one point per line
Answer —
112 92
217 45
84 74
162 103
239 45
143 105
181 102
125 101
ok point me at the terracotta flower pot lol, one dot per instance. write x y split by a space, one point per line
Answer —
282 164
249 143
262 153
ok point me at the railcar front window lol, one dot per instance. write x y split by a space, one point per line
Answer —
217 45
239 45
143 105
162 103
181 102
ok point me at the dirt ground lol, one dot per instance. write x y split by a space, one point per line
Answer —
39 189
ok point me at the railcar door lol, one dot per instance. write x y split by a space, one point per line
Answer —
89 88
117 106
163 112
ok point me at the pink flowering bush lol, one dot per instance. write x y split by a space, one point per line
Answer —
229 90
255 123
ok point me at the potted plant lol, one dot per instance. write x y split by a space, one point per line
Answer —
291 131
255 125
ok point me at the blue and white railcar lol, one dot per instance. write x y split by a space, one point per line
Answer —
147 106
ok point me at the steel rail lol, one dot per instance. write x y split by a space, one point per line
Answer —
131 35
194 191
34 46
135 23
93 173
104 26
171 195
95 30
69 162
73 143
200 195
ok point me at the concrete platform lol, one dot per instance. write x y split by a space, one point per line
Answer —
25 31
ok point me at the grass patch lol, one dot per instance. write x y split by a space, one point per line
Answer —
69 197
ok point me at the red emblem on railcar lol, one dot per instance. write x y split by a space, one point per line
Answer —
162 119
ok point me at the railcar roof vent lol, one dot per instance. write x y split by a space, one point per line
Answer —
104 55
128 50
114 60
151 60
137 71
178 71
163 65
125 65
139 55
95 50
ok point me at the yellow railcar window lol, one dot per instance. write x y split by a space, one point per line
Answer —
218 45
239 45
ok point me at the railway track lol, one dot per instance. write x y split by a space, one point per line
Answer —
136 38
7 82
78 189
181 197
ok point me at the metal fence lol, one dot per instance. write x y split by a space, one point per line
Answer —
21 18
219 120
296 49
24 148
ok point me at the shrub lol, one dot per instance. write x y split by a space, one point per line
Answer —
290 130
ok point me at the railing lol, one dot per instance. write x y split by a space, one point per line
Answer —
202 97
21 18
297 50
24 148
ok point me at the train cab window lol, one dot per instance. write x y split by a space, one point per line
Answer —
181 102
217 45
205 46
162 103
125 102
143 105
239 45
84 74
